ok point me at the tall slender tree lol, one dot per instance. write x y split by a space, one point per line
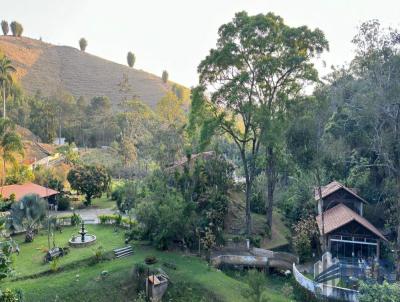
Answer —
164 76
6 69
83 44
131 59
4 27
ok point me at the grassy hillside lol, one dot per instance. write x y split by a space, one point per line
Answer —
49 68
235 223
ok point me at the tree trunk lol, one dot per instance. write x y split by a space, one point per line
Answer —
248 199
323 243
248 178
271 183
88 200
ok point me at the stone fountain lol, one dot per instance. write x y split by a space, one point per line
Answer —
83 239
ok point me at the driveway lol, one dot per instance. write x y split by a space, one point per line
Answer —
88 215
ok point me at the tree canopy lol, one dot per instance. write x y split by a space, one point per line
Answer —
92 181
258 65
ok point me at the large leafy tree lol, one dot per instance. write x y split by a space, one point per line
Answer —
170 110
28 214
91 181
377 66
16 29
6 80
259 64
10 144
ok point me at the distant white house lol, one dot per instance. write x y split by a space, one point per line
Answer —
59 141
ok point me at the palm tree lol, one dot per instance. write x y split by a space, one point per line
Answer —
5 78
28 214
10 143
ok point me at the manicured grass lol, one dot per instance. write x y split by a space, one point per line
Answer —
103 202
30 260
87 283
192 280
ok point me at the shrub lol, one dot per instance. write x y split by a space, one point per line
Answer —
139 272
63 203
150 260
54 265
5 261
255 241
11 295
134 233
305 232
75 219
257 286
98 254
118 220
379 292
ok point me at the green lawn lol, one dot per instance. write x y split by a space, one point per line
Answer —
103 203
192 280
30 260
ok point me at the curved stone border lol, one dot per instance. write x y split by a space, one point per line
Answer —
81 244
246 261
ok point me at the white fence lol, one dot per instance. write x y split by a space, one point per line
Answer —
318 289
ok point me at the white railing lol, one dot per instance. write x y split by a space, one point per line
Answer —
328 291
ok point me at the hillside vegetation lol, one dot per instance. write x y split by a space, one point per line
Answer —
50 68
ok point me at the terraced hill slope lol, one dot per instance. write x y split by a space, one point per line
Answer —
49 68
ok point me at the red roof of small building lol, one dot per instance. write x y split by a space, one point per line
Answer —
26 189
341 215
335 186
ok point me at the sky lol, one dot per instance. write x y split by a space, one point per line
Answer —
175 35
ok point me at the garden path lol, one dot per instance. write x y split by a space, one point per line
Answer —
88 215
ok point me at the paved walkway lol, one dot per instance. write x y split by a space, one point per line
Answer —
88 215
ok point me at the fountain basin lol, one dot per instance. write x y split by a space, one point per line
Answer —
76 240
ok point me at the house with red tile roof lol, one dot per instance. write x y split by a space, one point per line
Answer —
340 220
26 189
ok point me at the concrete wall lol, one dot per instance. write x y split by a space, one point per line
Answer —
325 290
